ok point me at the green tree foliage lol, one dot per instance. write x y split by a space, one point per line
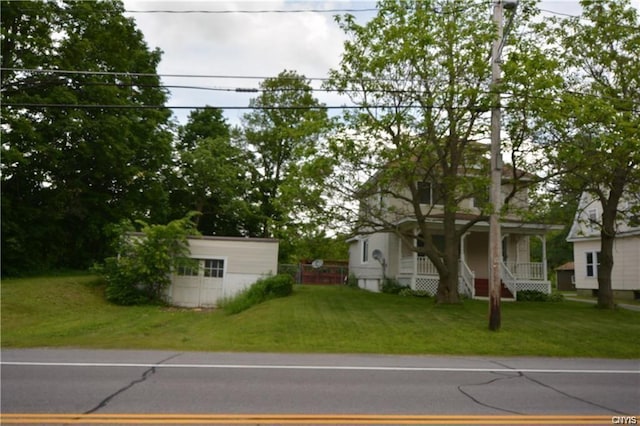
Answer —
68 171
284 135
142 270
420 70
213 176
593 129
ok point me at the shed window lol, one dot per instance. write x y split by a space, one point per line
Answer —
593 262
214 268
188 271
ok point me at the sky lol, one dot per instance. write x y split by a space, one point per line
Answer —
257 44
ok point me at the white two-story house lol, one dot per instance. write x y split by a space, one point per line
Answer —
375 255
585 236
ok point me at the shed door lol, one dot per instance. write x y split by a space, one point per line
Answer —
199 287
211 288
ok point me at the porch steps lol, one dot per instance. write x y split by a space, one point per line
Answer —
482 289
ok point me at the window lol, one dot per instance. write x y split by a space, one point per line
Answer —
592 214
481 198
429 193
365 251
593 262
214 268
189 271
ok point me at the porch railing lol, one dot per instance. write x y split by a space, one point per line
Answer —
526 271
467 277
425 267
509 280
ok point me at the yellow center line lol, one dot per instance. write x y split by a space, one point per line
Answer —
305 419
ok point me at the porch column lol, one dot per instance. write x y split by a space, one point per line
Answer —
463 240
505 248
543 239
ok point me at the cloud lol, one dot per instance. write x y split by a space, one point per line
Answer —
238 44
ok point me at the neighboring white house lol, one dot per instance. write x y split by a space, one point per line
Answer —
585 236
401 262
226 265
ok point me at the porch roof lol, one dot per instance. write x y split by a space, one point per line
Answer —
505 224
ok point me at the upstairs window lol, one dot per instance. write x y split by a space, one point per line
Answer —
429 193
592 214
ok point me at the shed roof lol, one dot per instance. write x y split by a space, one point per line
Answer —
569 266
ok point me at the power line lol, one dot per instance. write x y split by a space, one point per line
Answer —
232 107
263 11
144 74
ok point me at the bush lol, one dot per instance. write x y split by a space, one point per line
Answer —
391 286
415 293
141 271
531 296
556 296
352 281
538 296
262 290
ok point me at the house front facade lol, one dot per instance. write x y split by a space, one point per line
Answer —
224 266
585 236
376 255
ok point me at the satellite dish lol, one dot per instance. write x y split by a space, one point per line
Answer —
377 255
317 263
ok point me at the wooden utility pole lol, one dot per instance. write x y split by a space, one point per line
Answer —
495 196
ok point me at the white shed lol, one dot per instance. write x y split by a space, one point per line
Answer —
226 265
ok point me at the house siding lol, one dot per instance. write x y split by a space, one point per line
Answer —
625 277
626 264
369 272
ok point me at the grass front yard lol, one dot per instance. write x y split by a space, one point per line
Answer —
72 312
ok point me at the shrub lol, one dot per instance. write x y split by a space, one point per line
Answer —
531 296
391 286
405 292
352 281
538 296
141 271
415 293
262 290
556 296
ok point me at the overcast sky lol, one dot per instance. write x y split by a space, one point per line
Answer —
251 44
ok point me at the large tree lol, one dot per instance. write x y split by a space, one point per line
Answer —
71 162
593 129
213 176
420 74
284 133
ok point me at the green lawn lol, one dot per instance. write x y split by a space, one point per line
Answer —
71 312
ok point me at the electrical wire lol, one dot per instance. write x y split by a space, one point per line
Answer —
263 11
143 74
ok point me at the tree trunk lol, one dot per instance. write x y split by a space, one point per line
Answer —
607 238
605 268
448 288
448 285
605 292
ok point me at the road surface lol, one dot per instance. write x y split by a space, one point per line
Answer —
117 385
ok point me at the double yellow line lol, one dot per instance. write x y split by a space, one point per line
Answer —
301 419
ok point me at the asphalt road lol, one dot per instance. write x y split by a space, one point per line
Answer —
49 381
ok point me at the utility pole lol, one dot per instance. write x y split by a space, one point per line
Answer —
495 196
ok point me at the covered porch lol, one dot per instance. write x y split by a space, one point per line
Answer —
519 272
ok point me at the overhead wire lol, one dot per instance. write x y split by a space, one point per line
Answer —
249 11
